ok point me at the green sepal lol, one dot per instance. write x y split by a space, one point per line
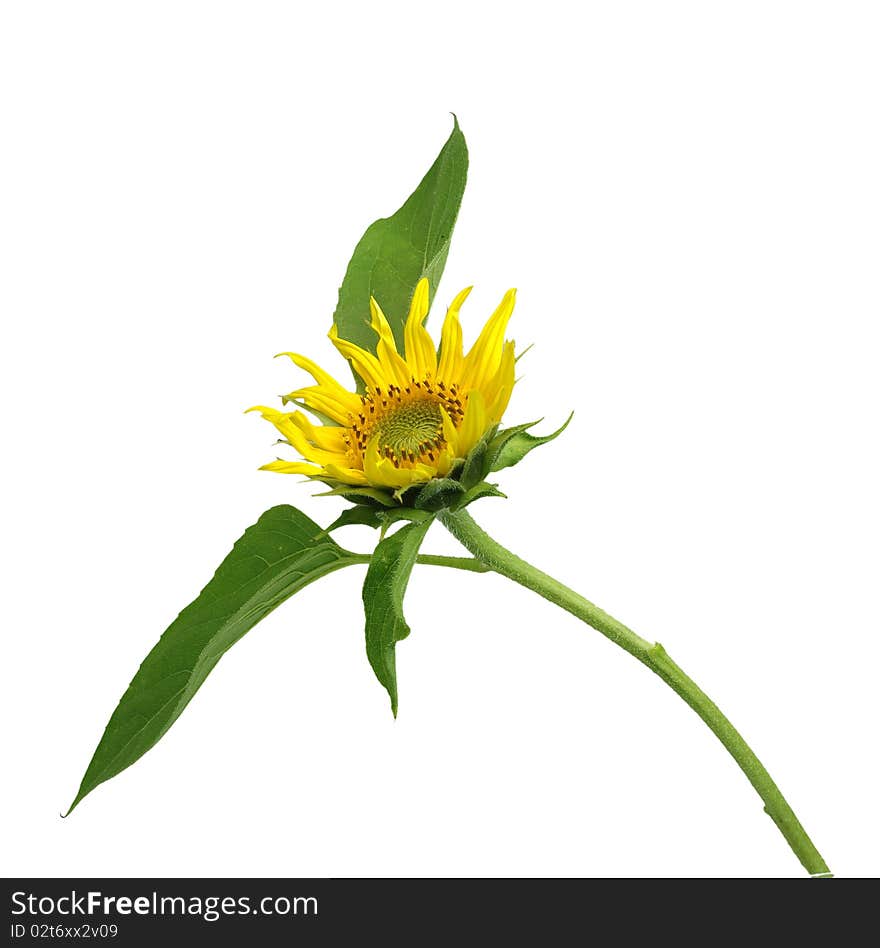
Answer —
384 587
476 465
389 517
371 496
483 489
504 435
437 493
377 517
358 515
511 445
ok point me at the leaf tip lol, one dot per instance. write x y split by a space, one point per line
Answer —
391 688
72 807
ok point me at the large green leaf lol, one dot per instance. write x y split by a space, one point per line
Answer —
384 586
279 555
397 251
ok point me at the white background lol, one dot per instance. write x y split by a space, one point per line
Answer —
686 195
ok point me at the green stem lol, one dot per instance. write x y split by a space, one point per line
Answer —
429 559
455 562
502 561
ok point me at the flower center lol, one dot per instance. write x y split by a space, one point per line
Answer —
406 423
410 430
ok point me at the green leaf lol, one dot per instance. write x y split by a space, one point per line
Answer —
397 251
513 444
384 587
276 557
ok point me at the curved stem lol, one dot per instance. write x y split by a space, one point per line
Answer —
502 561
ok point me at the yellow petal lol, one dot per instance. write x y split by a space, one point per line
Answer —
485 355
325 381
296 438
421 356
347 475
474 424
328 437
280 419
312 453
445 461
451 352
364 363
386 348
291 467
450 433
382 473
497 391
324 402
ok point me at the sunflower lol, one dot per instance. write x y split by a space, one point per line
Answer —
420 411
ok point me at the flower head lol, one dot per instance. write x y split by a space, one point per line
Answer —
420 412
